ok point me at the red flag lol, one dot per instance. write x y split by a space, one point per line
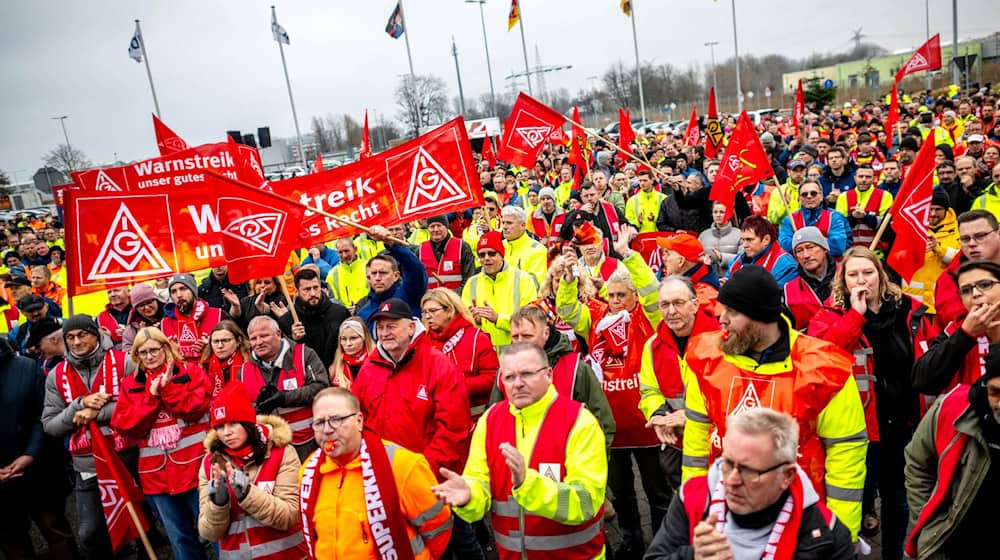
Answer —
488 155
318 164
743 163
909 213
366 141
167 140
713 128
893 117
927 57
799 110
118 491
529 126
625 133
692 135
578 155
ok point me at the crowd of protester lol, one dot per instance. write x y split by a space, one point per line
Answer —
489 382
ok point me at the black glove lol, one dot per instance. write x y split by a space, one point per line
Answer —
266 393
266 406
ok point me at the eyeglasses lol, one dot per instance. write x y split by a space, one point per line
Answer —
332 422
484 254
809 194
222 341
747 474
977 237
676 304
149 353
524 375
983 286
432 311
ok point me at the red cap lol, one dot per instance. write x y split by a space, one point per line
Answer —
685 244
232 405
491 240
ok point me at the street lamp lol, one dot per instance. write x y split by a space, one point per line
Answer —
69 149
486 45
711 49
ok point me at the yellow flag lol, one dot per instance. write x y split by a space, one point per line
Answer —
627 7
514 16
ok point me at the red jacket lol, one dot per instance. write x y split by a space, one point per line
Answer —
947 304
472 351
187 398
420 403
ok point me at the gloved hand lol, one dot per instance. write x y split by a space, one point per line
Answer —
267 392
240 484
218 491
266 406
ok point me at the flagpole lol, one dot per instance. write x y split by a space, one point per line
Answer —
291 100
736 45
638 67
409 59
138 526
149 74
524 47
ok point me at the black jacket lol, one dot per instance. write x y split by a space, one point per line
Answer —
22 391
322 324
210 290
935 370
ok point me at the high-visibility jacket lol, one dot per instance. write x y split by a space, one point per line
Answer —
367 248
578 316
53 291
558 507
348 283
178 332
921 286
604 269
661 377
989 200
527 255
298 417
563 190
447 272
643 208
813 384
778 209
418 236
11 318
875 201
831 224
510 290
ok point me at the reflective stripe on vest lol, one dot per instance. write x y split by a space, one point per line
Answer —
448 269
299 418
611 215
862 234
188 449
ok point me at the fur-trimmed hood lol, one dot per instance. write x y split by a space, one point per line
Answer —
281 432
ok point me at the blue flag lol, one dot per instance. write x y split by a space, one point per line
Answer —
394 27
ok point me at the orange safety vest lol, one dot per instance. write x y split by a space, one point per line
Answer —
864 235
518 532
298 417
249 538
818 372
548 234
448 270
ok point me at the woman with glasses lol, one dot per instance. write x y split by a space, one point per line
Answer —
883 327
164 406
450 329
147 311
248 483
355 343
228 347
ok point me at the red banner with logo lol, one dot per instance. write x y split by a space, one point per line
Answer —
692 136
713 128
430 175
743 163
910 214
118 489
798 109
166 139
927 57
530 125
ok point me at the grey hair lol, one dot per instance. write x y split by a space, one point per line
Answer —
265 319
621 276
516 212
782 428
680 279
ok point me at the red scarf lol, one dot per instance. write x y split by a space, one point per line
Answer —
165 432
187 328
381 500
447 338
784 535
220 373
243 454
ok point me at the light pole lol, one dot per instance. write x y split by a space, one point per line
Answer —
458 72
711 50
486 46
736 46
69 148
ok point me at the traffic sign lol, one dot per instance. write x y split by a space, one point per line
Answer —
828 84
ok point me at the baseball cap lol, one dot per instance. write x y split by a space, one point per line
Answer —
393 308
30 302
976 138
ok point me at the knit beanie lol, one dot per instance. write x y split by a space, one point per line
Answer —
81 322
491 240
810 234
186 279
753 292
443 220
141 293
939 197
547 191
232 405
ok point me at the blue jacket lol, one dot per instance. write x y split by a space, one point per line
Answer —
410 288
328 258
785 269
838 238
845 182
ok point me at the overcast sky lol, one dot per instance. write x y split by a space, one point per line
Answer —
216 67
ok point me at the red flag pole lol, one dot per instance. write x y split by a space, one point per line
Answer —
138 525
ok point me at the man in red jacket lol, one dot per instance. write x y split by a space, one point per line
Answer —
980 241
412 394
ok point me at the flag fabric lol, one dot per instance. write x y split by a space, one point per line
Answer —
135 49
529 126
893 117
166 139
318 164
394 27
487 153
713 128
578 155
927 57
514 16
626 6
798 110
743 163
117 488
366 141
277 31
692 136
626 135
909 213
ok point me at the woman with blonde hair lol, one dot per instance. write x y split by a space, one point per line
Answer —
164 405
228 347
354 345
871 317
451 330
587 293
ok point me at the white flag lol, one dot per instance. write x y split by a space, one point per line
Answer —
135 50
280 35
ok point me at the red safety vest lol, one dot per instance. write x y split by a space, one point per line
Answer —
950 445
767 261
249 538
448 269
298 417
548 234
802 301
107 380
608 267
612 216
208 321
822 224
519 532
862 234
104 319
564 374
12 316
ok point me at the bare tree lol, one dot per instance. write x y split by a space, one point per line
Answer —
422 101
4 179
321 134
66 159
